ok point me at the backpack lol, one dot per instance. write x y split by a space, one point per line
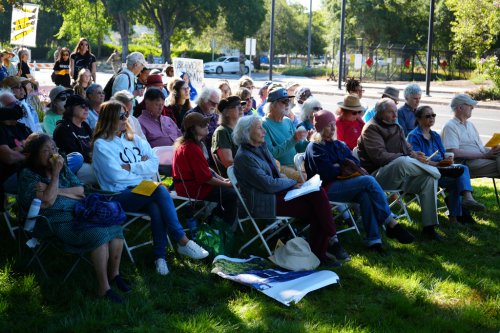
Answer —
108 88
96 210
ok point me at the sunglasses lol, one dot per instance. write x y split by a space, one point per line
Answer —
84 106
123 115
65 54
428 116
285 101
317 108
356 112
62 98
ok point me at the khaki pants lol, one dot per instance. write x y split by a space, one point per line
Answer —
399 174
484 168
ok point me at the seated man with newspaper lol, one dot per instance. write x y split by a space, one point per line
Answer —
384 152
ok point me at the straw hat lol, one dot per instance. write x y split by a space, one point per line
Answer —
296 255
351 102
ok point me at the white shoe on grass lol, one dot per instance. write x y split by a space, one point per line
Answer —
161 266
192 250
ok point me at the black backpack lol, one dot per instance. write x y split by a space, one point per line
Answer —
108 88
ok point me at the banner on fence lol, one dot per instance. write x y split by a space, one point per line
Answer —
284 286
24 23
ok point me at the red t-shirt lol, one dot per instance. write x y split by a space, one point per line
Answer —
190 162
349 131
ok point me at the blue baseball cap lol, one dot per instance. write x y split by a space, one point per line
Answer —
276 94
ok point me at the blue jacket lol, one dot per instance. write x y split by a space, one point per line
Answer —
406 118
326 159
428 147
258 184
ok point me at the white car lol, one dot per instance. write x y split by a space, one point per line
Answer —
227 65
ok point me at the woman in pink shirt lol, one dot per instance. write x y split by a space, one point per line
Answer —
349 122
159 130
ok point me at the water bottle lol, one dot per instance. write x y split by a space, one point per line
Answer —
29 225
192 226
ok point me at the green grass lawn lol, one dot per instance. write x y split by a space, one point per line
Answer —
451 286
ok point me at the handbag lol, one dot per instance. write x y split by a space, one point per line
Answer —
53 76
97 210
216 237
453 171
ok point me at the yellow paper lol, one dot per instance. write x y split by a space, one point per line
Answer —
146 187
495 140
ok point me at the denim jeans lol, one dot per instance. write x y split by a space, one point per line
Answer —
227 200
160 207
365 191
454 188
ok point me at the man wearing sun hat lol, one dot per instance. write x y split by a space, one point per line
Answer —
281 138
461 137
385 153
8 55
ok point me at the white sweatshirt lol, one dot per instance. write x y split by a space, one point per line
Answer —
109 156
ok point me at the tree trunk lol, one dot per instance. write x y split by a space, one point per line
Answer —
123 27
165 46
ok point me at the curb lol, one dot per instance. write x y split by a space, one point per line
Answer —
435 102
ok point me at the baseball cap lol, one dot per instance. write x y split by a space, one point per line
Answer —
230 102
461 99
194 119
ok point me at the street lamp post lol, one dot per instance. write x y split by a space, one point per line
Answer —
341 51
428 72
271 42
309 36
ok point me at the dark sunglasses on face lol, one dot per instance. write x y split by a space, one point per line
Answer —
356 112
84 106
317 108
285 101
123 115
430 115
62 98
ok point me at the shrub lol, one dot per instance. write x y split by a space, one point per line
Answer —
489 67
305 71
485 93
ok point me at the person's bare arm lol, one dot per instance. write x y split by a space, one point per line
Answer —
225 156
10 156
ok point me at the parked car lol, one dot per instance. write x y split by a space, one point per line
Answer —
227 64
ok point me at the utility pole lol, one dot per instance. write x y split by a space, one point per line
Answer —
271 42
341 52
428 72
309 36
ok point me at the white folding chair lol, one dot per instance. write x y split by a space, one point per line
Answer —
343 208
278 223
9 202
165 155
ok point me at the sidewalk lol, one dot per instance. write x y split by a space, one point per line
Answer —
441 93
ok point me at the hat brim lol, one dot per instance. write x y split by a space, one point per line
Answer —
294 263
351 108
277 99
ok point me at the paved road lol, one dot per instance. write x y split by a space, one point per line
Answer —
486 116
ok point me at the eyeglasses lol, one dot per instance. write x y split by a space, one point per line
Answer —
356 112
62 98
123 115
428 116
285 101
317 108
84 106
65 54
213 103
84 44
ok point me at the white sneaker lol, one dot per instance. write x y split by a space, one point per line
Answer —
161 266
192 250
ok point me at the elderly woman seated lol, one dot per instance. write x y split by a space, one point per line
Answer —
223 146
349 123
48 179
406 113
159 130
346 181
73 135
122 161
309 107
282 140
459 189
264 190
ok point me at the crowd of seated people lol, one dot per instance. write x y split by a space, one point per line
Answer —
109 145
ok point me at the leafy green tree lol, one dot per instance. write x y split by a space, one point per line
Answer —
476 26
122 12
169 17
84 19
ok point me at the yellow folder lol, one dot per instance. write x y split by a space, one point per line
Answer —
146 187
495 140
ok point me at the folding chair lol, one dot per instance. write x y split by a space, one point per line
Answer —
8 201
41 245
343 208
165 156
278 223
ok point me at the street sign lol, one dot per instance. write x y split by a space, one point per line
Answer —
250 46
